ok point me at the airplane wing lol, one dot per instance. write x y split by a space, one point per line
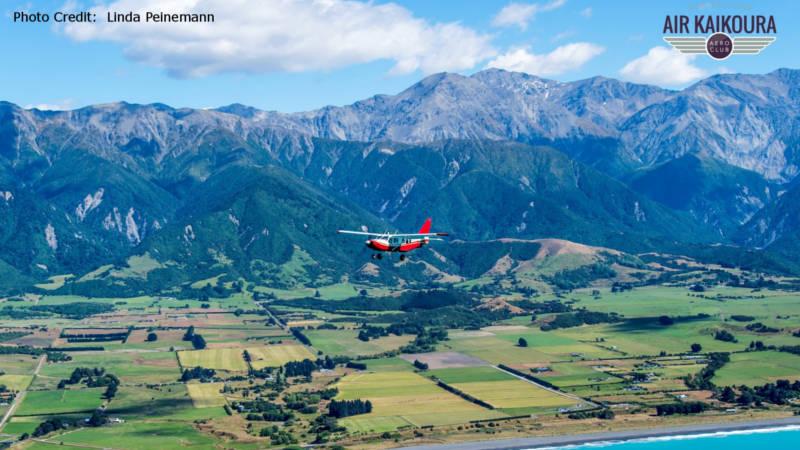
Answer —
419 234
361 233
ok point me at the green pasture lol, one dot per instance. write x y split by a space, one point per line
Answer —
60 401
470 375
756 368
346 342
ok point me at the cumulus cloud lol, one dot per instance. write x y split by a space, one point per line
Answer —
563 59
519 14
663 66
256 36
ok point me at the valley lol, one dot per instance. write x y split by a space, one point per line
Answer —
567 335
172 277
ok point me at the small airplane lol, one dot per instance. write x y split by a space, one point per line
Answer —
401 243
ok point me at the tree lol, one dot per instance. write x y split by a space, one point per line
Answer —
728 395
198 342
522 342
98 418
152 337
696 348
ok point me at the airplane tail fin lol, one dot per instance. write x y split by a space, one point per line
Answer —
426 228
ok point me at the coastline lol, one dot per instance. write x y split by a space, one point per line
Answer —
610 436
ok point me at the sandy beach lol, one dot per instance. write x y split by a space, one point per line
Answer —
551 441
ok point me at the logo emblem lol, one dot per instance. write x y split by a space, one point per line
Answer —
720 46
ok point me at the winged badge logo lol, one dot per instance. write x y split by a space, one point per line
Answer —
719 45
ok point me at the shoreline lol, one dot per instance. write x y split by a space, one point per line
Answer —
612 436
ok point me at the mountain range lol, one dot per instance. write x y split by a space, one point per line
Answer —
493 155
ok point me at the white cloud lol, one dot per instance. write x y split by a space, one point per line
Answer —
520 14
256 36
61 105
587 12
563 35
663 66
563 59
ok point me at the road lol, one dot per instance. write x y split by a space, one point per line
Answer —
580 439
21 394
284 327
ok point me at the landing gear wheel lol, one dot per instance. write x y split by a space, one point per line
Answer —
402 257
380 256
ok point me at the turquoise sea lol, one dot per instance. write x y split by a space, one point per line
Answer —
764 439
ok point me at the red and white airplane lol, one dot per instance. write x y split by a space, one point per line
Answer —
401 243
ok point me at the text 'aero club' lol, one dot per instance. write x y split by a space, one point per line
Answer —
401 243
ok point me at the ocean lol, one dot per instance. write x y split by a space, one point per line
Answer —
762 439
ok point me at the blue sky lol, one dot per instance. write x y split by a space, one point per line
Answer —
293 56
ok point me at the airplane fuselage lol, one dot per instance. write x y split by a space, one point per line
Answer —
395 244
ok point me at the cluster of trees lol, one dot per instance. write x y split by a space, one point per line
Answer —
95 377
346 408
420 365
742 318
75 310
778 393
425 341
264 410
368 332
9 335
576 319
299 368
304 401
569 279
547 307
759 327
621 287
52 355
356 365
20 313
278 436
681 408
702 380
794 349
605 414
198 373
97 419
197 340
724 336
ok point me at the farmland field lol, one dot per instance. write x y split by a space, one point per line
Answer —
344 342
631 364
755 368
60 401
216 358
514 394
277 355
206 395
403 398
